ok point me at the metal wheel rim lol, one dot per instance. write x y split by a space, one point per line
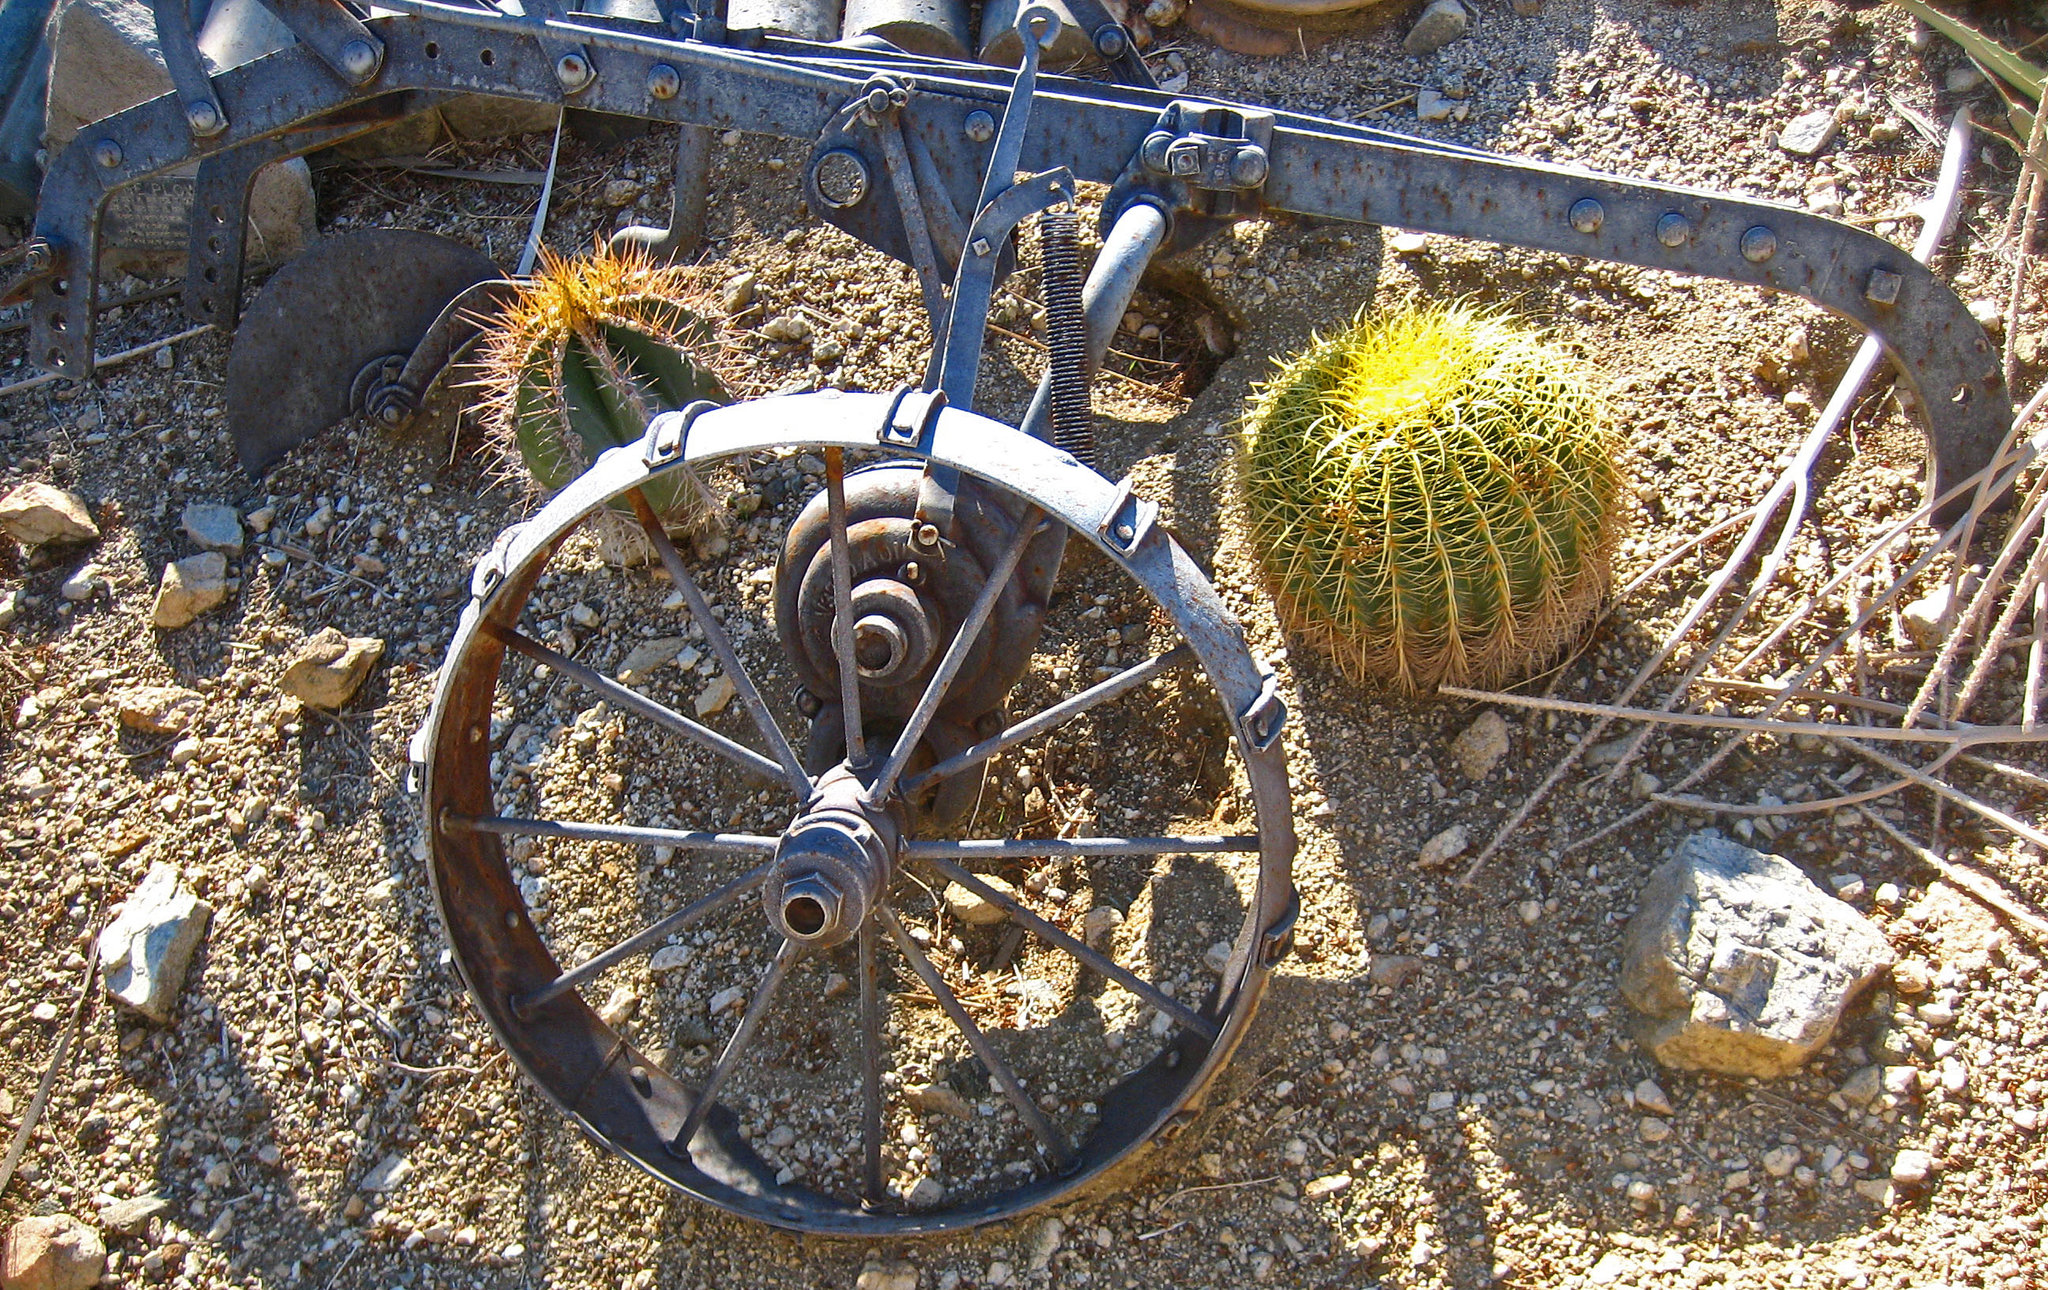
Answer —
622 1099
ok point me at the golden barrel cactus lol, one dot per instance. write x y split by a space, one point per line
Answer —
1433 496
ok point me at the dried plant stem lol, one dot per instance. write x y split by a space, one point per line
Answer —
1983 887
2030 183
2031 778
1686 802
1994 646
1963 736
1947 791
1971 619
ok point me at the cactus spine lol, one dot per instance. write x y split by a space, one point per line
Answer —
1433 496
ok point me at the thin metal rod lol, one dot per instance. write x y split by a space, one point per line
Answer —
842 609
1063 711
738 844
1054 1141
757 1008
703 907
956 655
870 1071
637 703
1018 848
721 644
1081 950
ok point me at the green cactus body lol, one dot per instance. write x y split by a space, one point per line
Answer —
591 351
1433 496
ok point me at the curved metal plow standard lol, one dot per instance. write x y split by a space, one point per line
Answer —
1306 166
690 1134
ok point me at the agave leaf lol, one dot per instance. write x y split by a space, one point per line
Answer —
1996 60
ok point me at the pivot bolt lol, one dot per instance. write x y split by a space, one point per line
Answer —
107 153
573 71
927 535
980 126
1248 167
1883 287
664 82
1588 215
1759 244
204 119
1110 41
1674 230
359 60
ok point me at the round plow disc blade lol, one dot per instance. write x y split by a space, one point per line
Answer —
324 317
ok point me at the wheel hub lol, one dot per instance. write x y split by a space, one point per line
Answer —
832 865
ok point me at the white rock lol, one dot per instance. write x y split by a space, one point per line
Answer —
387 1174
1433 106
1912 1167
328 668
10 606
1099 924
38 514
160 709
1614 1268
146 950
213 527
82 583
937 1099
1046 1237
1929 619
1480 746
928 1193
668 958
642 660
190 587
1736 962
52 1252
1444 847
1440 23
1217 956
130 1216
1652 1098
730 997
1781 1160
969 907
715 696
1806 134
876 1275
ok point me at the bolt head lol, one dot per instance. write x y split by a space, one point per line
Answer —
1759 244
1248 168
1674 230
927 535
107 153
1588 215
981 248
1110 41
573 71
1153 152
980 127
204 119
664 82
359 60
1883 287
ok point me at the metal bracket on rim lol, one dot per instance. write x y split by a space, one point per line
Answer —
490 567
1131 519
910 418
1266 716
669 433
1277 941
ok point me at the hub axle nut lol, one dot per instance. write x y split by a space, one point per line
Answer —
812 906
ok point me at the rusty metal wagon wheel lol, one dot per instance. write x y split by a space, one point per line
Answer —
809 994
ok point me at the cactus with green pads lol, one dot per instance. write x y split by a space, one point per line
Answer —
590 350
1433 496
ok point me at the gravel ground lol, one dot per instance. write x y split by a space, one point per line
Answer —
1440 1090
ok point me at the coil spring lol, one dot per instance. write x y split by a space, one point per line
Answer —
1073 425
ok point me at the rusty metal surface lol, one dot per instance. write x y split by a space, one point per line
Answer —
323 318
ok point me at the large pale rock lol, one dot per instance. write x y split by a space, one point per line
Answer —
146 950
213 527
52 1252
37 514
1737 962
1440 23
160 709
1481 745
191 586
330 667
104 59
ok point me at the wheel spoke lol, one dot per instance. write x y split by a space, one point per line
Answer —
513 826
1058 714
1018 848
702 907
870 1071
757 1008
1081 950
842 609
721 644
1048 1135
956 654
633 701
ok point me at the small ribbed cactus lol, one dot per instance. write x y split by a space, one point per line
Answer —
1433 496
592 348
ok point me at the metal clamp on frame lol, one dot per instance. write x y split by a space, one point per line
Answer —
1277 941
1267 715
912 413
1131 519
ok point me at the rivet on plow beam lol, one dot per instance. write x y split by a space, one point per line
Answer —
573 71
1588 215
107 153
1883 287
664 82
980 127
1759 244
359 60
204 119
1109 40
1674 230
